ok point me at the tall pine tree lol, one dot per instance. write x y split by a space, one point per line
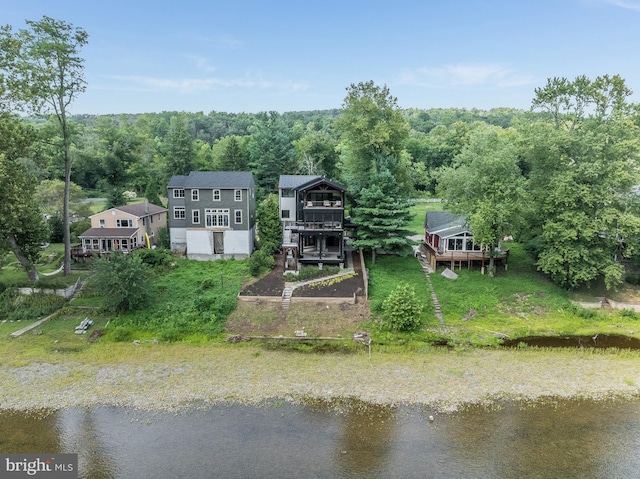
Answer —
382 214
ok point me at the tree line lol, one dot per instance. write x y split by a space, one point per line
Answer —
560 176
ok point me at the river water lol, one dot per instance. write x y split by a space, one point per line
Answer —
550 439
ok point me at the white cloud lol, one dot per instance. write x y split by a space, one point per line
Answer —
628 4
464 75
202 63
193 85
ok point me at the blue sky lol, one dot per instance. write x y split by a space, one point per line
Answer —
250 56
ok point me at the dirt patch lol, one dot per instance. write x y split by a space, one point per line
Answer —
345 287
270 285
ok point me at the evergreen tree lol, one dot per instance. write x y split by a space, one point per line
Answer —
269 224
180 147
234 157
271 152
382 214
151 193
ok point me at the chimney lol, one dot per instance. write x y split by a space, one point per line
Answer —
146 206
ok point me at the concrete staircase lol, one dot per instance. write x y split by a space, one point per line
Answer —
287 292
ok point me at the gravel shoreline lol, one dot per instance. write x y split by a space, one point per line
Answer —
159 380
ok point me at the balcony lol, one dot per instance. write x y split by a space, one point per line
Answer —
323 204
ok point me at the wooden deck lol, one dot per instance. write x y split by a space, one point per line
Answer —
458 259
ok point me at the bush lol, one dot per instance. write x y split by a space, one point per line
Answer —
163 239
402 309
154 257
124 281
260 262
633 279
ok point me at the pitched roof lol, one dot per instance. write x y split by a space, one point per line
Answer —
445 224
136 209
109 233
140 209
317 181
293 181
213 179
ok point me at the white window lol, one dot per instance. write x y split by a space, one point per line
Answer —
285 214
195 195
216 218
124 223
216 195
287 193
455 244
179 213
125 244
195 216
238 215
178 193
238 195
101 223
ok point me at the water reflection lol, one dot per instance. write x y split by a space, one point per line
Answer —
568 439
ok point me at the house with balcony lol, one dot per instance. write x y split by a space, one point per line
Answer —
212 214
448 241
123 228
312 214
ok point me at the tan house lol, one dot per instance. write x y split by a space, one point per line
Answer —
123 228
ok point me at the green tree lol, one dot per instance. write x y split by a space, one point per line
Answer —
402 309
22 229
152 193
124 281
269 224
234 156
49 196
371 127
117 149
383 214
270 151
316 153
486 185
180 147
44 73
583 165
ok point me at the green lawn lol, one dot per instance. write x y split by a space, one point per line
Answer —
419 210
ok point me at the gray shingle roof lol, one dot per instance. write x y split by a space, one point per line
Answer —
213 179
293 181
445 224
109 233
138 209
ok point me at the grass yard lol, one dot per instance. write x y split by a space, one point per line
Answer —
419 210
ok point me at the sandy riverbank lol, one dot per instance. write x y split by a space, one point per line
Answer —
166 377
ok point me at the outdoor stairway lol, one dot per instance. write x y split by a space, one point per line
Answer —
286 297
436 304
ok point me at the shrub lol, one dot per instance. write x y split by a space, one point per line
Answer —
260 262
124 281
154 257
585 313
402 309
633 279
162 238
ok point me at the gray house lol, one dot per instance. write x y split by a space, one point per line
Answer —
312 214
212 214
